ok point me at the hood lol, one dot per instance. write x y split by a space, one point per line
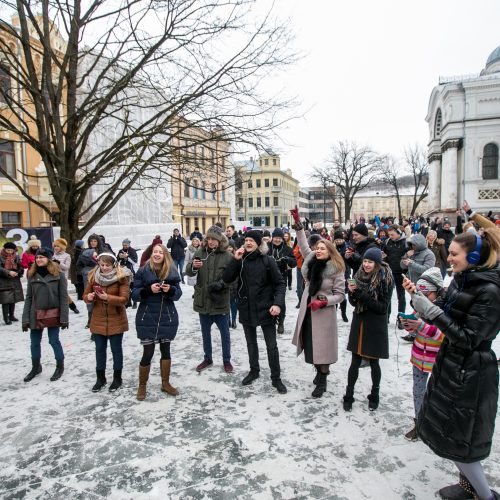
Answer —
419 241
224 244
99 248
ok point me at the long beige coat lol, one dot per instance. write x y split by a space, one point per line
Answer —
324 321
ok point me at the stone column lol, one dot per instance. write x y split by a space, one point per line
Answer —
449 175
434 181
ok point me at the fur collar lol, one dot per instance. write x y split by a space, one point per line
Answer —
329 271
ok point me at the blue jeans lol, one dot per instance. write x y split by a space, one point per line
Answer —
36 340
222 322
101 346
234 310
180 265
300 283
419 388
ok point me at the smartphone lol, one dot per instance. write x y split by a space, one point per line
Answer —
407 316
161 283
351 281
404 276
97 288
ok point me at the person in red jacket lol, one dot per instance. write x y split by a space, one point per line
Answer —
28 257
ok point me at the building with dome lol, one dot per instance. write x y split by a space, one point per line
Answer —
464 129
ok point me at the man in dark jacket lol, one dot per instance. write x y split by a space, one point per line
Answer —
178 245
261 295
394 249
283 255
127 257
446 234
196 234
354 254
211 294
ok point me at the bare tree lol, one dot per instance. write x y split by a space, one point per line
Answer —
418 167
136 90
390 174
350 168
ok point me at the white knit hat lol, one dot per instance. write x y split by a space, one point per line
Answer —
431 280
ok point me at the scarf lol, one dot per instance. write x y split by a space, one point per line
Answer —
375 284
42 271
315 275
10 260
107 279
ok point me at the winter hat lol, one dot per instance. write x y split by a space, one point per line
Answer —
107 254
278 233
214 232
157 240
313 239
79 243
61 242
232 244
255 235
431 280
373 254
9 245
338 235
126 241
34 242
361 229
266 233
45 252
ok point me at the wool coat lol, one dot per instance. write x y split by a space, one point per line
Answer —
324 321
457 418
11 289
47 292
109 317
156 317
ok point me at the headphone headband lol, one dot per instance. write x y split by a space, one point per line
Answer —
474 257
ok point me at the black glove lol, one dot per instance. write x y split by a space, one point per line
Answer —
26 327
298 226
215 287
64 326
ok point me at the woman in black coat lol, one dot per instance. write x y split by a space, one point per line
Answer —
370 295
457 418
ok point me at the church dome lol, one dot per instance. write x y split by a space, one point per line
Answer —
493 63
494 57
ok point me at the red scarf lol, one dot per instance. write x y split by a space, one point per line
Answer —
10 260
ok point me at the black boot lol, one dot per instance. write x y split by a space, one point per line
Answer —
250 378
316 378
321 387
463 490
73 307
12 308
100 382
59 371
281 327
5 313
348 398
279 386
373 399
233 323
35 370
89 317
343 308
117 381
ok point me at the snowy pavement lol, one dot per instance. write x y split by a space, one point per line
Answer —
217 439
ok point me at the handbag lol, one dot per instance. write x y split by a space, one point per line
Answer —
47 318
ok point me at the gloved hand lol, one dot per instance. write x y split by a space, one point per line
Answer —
64 326
26 327
215 286
295 214
317 304
425 307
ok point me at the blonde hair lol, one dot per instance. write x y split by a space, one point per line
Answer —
335 257
52 267
120 272
161 272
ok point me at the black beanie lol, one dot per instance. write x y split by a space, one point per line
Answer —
338 235
361 229
255 235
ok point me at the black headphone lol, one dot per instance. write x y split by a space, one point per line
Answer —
474 257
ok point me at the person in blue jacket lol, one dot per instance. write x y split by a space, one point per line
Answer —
156 287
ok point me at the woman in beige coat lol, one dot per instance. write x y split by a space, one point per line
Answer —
316 330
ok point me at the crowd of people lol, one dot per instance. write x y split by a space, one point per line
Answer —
245 275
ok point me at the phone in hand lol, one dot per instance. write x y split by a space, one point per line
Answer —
161 283
351 281
98 289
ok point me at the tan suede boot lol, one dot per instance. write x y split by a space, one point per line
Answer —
143 380
165 377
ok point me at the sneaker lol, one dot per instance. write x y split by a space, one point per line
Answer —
228 367
412 435
203 365
280 387
408 338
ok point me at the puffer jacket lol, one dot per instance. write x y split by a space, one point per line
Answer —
47 292
210 273
457 418
394 251
64 260
156 317
422 258
109 317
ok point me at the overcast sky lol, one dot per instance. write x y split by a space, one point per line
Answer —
370 66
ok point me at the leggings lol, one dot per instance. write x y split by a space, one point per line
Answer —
149 350
475 474
352 375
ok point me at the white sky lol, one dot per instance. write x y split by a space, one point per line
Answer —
370 66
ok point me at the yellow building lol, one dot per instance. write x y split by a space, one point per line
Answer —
17 158
267 192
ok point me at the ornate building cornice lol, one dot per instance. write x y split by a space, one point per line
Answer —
451 143
434 157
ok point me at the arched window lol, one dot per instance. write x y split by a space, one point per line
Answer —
438 124
490 161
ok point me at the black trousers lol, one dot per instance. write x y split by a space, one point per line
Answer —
273 355
398 281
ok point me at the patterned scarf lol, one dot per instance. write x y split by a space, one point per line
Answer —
107 279
375 284
10 260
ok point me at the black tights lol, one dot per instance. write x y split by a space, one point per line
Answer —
352 375
149 350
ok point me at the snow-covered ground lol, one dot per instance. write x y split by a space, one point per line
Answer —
217 439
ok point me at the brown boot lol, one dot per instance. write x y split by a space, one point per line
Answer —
165 376
143 380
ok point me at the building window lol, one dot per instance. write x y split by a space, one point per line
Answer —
240 202
275 182
250 184
223 194
11 219
266 201
203 192
438 124
274 161
266 183
490 161
186 189
4 83
266 162
7 159
257 183
259 201
250 202
195 190
214 192
275 201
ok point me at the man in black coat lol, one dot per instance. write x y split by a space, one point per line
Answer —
283 255
196 234
177 245
261 296
127 257
354 254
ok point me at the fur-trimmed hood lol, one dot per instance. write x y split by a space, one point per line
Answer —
329 271
224 244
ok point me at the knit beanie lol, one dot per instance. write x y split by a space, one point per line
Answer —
157 240
431 280
313 239
373 254
126 241
45 252
278 233
9 245
214 232
266 233
361 229
34 242
255 235
79 243
338 235
61 242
